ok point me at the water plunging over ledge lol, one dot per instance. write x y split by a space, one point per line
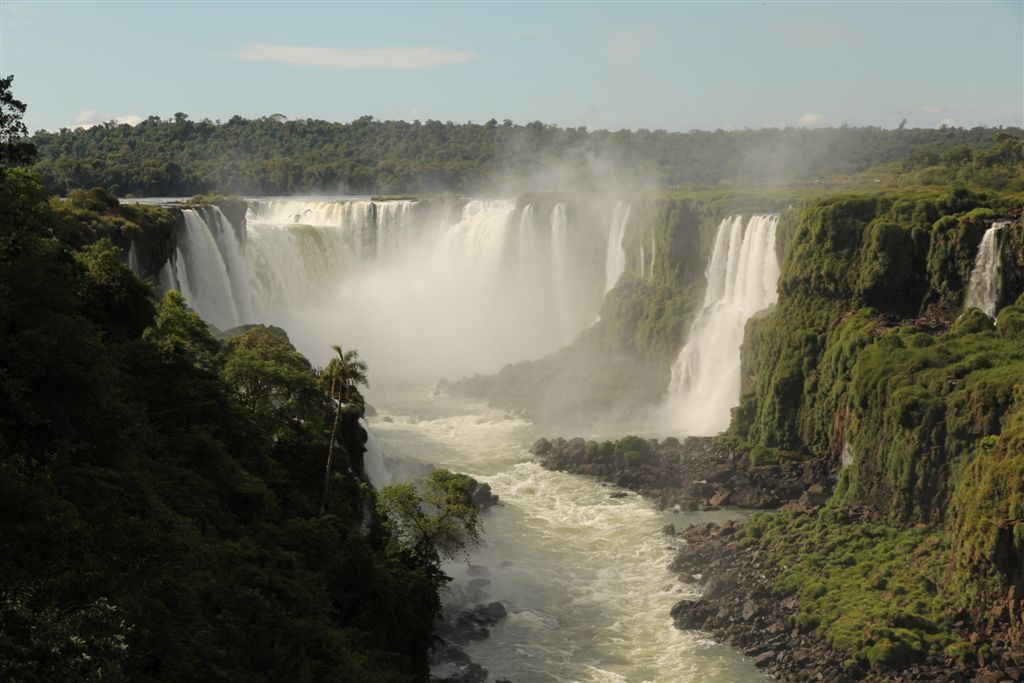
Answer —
986 282
741 280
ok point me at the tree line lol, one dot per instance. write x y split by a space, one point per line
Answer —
274 156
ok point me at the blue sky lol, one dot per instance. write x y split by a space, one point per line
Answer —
676 66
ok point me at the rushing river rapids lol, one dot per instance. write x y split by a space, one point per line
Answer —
583 575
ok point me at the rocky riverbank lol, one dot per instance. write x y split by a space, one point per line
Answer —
695 474
741 605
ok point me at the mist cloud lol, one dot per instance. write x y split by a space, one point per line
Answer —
89 118
354 58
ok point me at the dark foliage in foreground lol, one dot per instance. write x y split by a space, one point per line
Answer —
160 489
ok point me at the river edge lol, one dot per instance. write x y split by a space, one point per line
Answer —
738 606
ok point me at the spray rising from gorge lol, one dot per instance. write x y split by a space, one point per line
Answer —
426 288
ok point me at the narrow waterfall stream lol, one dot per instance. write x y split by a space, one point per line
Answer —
741 280
985 284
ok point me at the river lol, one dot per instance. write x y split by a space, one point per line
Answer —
583 575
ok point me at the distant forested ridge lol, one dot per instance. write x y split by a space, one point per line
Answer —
271 155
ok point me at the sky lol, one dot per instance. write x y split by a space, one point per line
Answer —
667 65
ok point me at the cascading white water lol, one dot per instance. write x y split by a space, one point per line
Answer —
373 462
654 257
201 271
561 262
583 575
615 252
741 280
232 251
986 281
133 258
421 288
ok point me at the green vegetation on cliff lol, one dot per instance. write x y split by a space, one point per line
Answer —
873 590
868 363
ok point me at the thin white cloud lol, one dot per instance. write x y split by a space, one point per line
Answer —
932 109
811 119
948 121
354 58
89 118
12 14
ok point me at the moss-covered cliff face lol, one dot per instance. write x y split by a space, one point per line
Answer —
867 362
91 215
621 365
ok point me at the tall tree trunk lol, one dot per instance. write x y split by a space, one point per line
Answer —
330 451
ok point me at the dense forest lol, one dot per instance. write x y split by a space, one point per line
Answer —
180 505
274 156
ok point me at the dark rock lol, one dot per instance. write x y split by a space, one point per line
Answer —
618 494
751 609
492 612
719 586
541 447
669 529
692 614
482 496
814 496
721 496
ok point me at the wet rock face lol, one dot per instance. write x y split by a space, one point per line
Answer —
696 474
459 628
482 496
471 624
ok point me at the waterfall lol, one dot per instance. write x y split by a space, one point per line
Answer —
560 261
615 253
373 462
654 256
202 271
985 284
423 288
230 245
741 280
133 258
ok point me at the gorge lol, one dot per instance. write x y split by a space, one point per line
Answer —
502 267
517 342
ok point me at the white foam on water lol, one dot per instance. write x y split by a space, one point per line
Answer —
583 576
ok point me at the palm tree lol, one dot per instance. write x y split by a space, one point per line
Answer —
341 377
